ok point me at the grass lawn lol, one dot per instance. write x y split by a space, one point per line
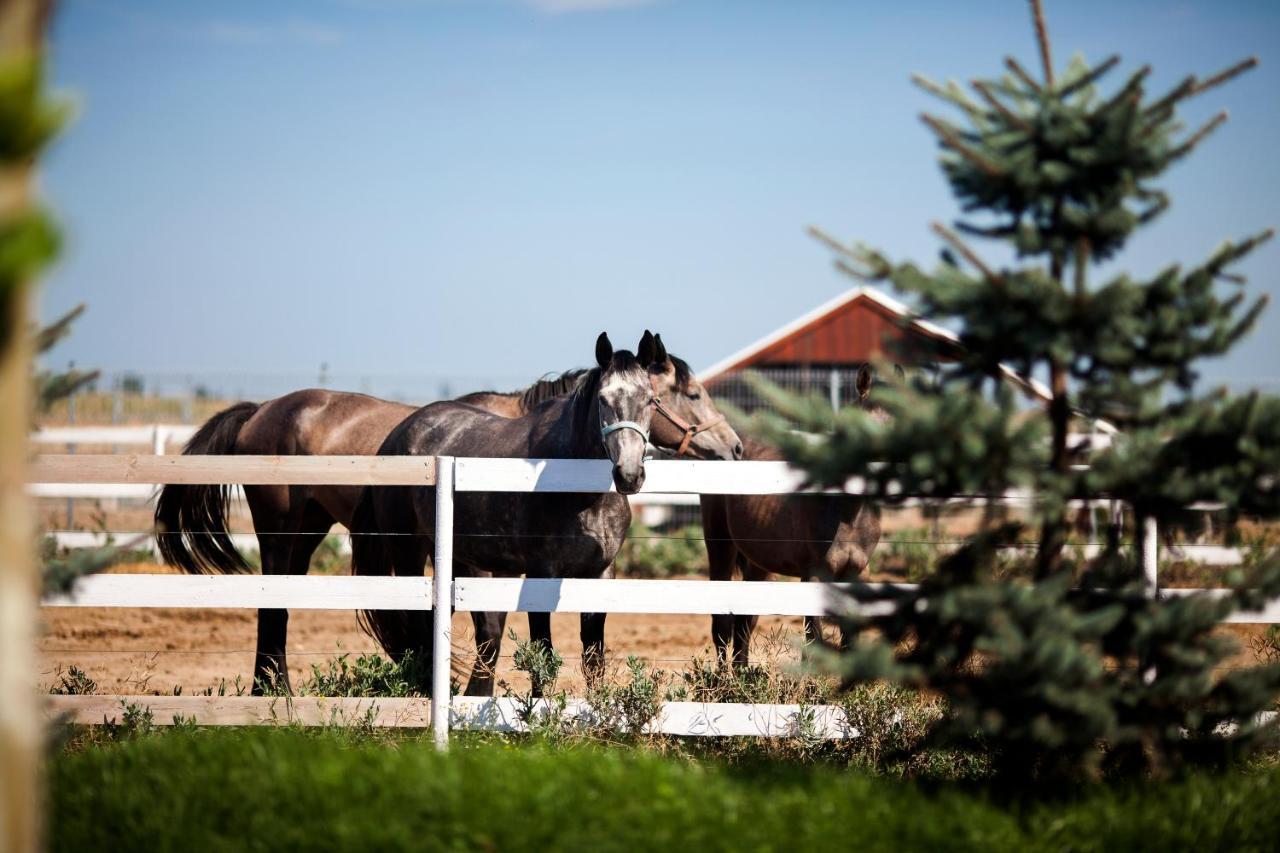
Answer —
289 790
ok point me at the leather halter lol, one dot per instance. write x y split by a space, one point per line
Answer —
690 430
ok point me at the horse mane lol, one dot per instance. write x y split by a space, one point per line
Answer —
549 387
582 401
683 372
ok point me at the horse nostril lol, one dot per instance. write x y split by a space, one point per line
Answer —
737 450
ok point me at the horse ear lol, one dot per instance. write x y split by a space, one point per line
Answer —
659 350
604 350
863 382
644 352
900 373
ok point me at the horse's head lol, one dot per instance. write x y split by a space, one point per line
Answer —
686 419
865 382
624 411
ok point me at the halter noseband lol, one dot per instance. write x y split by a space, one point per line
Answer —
614 427
690 430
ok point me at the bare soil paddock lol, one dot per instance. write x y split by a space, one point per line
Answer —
130 650
135 651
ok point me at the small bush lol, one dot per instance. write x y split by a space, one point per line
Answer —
631 706
367 675
74 682
648 554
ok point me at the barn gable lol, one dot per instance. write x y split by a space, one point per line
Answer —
860 325
826 345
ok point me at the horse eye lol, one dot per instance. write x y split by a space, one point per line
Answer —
694 395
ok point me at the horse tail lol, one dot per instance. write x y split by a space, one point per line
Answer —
191 519
397 631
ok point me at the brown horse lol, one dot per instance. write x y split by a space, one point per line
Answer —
615 407
818 537
290 521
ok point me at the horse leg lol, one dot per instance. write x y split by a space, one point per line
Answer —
540 633
591 632
269 507
488 628
413 636
745 625
286 550
721 555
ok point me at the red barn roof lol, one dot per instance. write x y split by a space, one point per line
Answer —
853 328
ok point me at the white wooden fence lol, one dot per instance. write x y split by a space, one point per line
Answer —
444 593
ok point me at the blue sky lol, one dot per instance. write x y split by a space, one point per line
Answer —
421 192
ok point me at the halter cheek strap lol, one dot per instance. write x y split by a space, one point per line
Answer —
690 430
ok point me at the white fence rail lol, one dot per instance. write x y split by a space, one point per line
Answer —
444 593
158 436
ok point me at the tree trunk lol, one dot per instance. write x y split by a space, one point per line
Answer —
21 27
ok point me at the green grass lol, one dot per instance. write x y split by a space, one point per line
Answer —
289 790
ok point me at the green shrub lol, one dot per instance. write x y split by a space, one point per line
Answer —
648 554
367 675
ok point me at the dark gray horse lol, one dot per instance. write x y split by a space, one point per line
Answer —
608 415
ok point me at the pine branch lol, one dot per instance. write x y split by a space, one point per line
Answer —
1021 74
831 242
1157 207
995 232
1131 90
969 255
953 142
1009 115
849 270
1196 138
876 268
1161 107
1042 38
1231 252
952 94
1226 75
57 330
1093 75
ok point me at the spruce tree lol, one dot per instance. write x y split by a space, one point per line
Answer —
1080 670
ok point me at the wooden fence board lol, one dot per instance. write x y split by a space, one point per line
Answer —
245 710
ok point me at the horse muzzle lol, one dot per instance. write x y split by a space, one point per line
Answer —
628 482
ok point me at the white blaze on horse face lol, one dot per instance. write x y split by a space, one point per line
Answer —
624 397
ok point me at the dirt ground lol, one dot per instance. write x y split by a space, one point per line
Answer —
134 650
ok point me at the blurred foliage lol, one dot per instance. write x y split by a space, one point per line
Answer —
28 238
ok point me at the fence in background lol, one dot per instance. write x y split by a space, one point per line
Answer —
443 593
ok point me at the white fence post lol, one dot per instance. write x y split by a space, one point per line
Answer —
158 438
442 605
1151 556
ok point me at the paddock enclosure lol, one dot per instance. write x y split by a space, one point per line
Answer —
443 593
